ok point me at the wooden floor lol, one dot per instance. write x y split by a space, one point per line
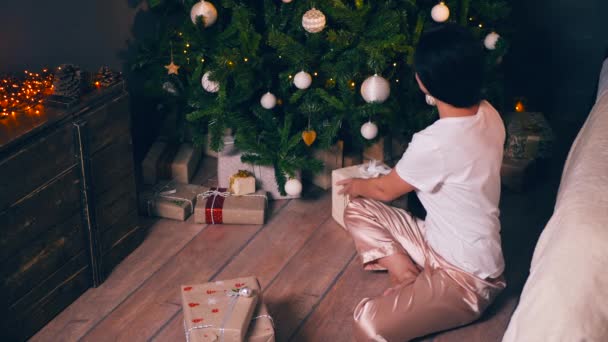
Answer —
305 262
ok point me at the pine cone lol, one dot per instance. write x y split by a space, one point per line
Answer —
67 81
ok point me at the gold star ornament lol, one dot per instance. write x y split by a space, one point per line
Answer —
172 68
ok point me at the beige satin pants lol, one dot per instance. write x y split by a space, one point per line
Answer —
441 297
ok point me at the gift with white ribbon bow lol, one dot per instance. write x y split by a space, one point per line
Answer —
219 206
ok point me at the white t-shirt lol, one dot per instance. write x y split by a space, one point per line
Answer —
455 166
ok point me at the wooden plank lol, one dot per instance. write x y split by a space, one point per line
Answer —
158 300
122 248
43 160
115 203
268 253
308 277
48 206
332 319
117 231
37 260
164 240
51 296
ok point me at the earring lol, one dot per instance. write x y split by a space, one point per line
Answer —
430 100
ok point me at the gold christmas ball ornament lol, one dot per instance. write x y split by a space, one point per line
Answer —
209 85
313 21
206 10
309 137
330 83
375 89
440 12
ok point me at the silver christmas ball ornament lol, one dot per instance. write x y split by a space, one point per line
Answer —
209 85
369 130
375 89
302 80
440 12
293 187
268 100
206 10
490 41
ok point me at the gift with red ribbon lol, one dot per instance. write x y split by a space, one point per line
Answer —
219 206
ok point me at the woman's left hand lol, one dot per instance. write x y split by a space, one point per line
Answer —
349 187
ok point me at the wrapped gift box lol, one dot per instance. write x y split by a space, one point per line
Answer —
229 162
352 159
332 158
219 311
242 183
529 136
217 206
170 200
261 328
339 202
185 163
150 162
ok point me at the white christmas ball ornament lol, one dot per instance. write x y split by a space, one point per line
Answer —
206 10
313 21
369 130
490 41
440 12
293 187
268 100
375 89
286 1
209 85
302 80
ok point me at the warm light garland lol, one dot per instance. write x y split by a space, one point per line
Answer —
24 95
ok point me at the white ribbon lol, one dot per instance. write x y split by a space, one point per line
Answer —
373 169
166 195
234 297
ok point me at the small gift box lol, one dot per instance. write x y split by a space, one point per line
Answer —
185 163
217 206
229 162
219 311
514 173
332 159
242 183
170 200
261 328
529 136
339 202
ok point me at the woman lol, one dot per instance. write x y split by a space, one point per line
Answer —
447 269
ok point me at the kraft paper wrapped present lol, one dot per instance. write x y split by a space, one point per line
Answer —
261 328
217 206
219 311
185 163
332 158
529 136
339 202
150 162
229 162
170 200
242 183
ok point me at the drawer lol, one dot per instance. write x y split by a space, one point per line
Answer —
34 165
46 300
110 165
108 123
41 258
115 203
34 215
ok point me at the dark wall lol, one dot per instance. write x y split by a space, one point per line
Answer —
38 33
556 56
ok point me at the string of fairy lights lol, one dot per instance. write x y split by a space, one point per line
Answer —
24 95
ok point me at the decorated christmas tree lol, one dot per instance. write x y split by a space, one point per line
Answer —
295 75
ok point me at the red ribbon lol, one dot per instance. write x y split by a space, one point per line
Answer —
214 207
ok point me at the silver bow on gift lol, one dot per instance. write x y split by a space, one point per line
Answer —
373 169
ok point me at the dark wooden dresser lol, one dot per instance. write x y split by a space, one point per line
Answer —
68 206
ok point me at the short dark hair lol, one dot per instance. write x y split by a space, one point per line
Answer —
449 61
